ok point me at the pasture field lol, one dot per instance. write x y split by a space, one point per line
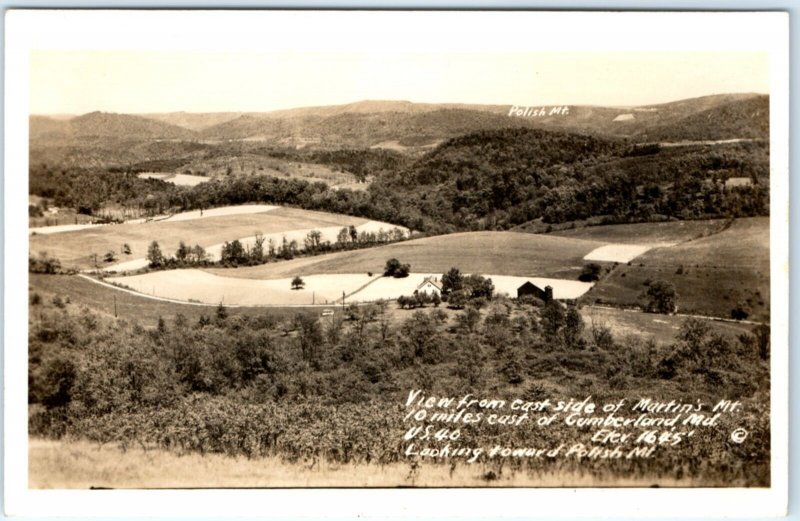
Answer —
75 249
197 285
102 299
75 464
499 253
646 233
61 228
711 275
661 329
244 209
620 252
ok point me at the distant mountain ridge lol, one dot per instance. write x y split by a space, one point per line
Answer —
399 125
105 125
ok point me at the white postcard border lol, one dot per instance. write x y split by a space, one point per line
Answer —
27 30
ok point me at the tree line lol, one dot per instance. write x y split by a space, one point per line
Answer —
262 250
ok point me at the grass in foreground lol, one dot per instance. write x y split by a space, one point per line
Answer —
82 465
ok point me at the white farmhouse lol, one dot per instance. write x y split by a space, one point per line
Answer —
430 285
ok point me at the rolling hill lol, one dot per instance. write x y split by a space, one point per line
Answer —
103 125
368 123
193 120
711 274
744 118
453 167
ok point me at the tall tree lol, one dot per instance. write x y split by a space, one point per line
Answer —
661 297
154 255
453 280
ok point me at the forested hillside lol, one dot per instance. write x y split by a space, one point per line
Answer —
485 180
743 119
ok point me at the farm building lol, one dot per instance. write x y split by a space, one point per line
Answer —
430 285
529 288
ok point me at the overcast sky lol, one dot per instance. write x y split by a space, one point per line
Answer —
76 82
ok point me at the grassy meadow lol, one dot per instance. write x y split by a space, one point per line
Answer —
500 253
646 233
662 329
75 249
101 299
711 274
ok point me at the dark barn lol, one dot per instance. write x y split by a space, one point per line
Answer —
529 288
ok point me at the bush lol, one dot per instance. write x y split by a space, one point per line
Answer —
457 299
590 273
395 269
740 312
44 264
392 265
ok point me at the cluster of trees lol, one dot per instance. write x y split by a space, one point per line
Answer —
500 179
419 299
37 210
741 311
395 268
184 256
236 253
361 162
66 187
44 263
590 272
458 289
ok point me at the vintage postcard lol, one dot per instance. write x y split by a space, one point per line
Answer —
271 254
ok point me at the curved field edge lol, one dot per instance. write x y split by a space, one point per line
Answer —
107 299
76 249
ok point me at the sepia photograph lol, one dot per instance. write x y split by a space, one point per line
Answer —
301 266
